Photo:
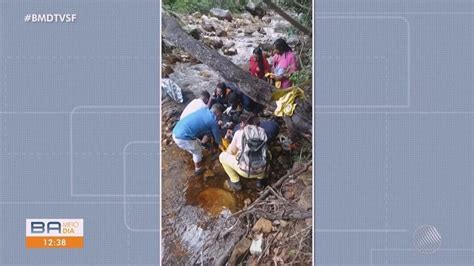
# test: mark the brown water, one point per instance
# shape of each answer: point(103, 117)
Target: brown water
point(208, 191)
point(193, 205)
point(211, 195)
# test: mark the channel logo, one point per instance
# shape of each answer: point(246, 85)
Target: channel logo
point(54, 233)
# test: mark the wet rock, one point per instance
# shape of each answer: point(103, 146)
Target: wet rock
point(256, 34)
point(246, 15)
point(266, 19)
point(221, 14)
point(228, 45)
point(262, 225)
point(230, 51)
point(194, 61)
point(166, 70)
point(166, 47)
point(185, 58)
point(266, 46)
point(208, 27)
point(172, 59)
point(204, 74)
point(249, 31)
point(213, 43)
point(293, 42)
point(245, 22)
point(262, 31)
point(255, 9)
point(281, 28)
point(221, 33)
point(195, 33)
point(239, 250)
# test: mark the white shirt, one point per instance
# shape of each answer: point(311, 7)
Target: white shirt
point(192, 107)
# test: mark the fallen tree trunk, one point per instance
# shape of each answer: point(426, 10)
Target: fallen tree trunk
point(287, 17)
point(257, 89)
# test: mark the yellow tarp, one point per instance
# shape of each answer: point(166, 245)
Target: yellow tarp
point(285, 100)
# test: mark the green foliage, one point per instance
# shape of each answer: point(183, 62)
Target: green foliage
point(301, 76)
point(302, 7)
point(203, 6)
point(305, 152)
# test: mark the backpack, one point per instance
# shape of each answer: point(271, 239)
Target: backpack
point(253, 157)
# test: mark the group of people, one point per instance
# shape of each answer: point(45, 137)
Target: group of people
point(229, 120)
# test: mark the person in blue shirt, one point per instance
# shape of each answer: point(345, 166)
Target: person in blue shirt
point(195, 125)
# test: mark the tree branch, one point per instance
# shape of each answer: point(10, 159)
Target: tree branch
point(288, 18)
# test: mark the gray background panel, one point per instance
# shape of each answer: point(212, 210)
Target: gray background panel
point(388, 164)
point(74, 95)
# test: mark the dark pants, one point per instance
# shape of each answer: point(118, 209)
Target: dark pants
point(271, 128)
point(250, 105)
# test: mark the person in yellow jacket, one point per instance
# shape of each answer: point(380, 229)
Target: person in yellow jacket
point(235, 160)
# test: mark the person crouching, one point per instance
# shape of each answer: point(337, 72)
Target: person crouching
point(246, 154)
point(190, 128)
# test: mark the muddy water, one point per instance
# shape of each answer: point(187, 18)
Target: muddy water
point(193, 204)
point(207, 191)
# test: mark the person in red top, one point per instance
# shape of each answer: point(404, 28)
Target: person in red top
point(258, 64)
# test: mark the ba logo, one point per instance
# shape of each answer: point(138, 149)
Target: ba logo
point(38, 227)
point(54, 233)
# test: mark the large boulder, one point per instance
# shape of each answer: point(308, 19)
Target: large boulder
point(256, 9)
point(221, 14)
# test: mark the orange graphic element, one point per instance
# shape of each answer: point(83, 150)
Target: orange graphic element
point(54, 242)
